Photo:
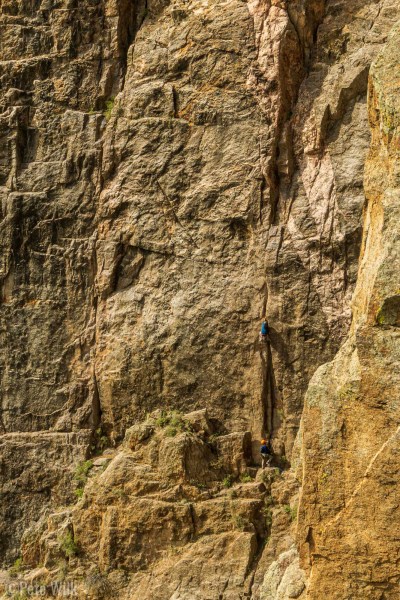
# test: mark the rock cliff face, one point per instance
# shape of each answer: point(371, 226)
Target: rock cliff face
point(170, 173)
point(350, 498)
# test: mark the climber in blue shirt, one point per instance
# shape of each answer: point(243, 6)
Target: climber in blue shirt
point(266, 455)
point(264, 331)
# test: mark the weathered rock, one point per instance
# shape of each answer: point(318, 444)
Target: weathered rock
point(138, 433)
point(170, 172)
point(134, 518)
point(314, 240)
point(200, 422)
point(185, 456)
point(235, 450)
point(36, 469)
point(284, 578)
point(60, 62)
point(350, 499)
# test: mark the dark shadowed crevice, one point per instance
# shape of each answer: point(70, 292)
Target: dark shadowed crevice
point(300, 41)
point(131, 17)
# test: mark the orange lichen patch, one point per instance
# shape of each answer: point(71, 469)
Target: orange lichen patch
point(185, 49)
point(32, 302)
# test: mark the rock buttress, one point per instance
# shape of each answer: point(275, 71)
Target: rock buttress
point(350, 500)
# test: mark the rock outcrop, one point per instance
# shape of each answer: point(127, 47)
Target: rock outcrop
point(350, 499)
point(176, 511)
point(170, 173)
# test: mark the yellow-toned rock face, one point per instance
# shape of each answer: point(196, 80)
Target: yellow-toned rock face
point(350, 504)
point(171, 172)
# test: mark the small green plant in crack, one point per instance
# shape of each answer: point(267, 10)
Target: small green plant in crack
point(79, 493)
point(16, 567)
point(323, 479)
point(240, 523)
point(119, 493)
point(81, 475)
point(267, 517)
point(108, 108)
point(292, 511)
point(62, 570)
point(162, 420)
point(82, 472)
point(22, 595)
point(100, 441)
point(198, 484)
point(246, 478)
point(265, 541)
point(173, 423)
point(171, 431)
point(68, 545)
point(227, 482)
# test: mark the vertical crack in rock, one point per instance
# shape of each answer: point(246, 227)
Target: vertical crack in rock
point(315, 234)
point(297, 34)
point(333, 107)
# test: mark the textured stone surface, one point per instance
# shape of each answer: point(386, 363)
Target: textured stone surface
point(350, 498)
point(315, 236)
point(170, 172)
point(134, 229)
point(36, 470)
point(156, 519)
point(59, 62)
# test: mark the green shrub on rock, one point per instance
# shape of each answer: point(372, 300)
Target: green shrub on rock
point(68, 545)
point(82, 472)
point(16, 568)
